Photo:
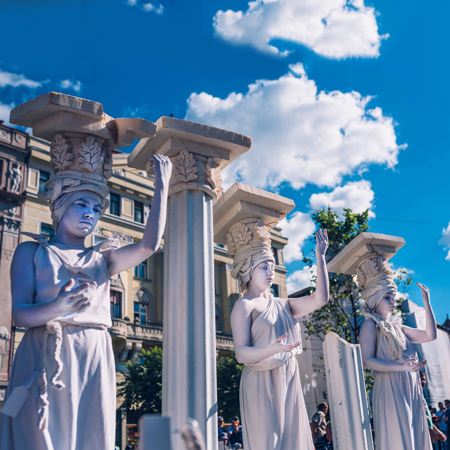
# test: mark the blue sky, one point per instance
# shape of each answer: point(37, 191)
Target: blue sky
point(347, 103)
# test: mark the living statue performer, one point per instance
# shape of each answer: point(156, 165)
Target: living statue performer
point(62, 389)
point(387, 349)
point(266, 338)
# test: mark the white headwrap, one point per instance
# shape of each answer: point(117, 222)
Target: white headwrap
point(249, 249)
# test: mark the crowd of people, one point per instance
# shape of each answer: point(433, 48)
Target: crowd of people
point(440, 430)
point(231, 436)
point(321, 431)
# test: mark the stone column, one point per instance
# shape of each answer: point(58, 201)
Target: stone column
point(347, 394)
point(198, 154)
point(365, 256)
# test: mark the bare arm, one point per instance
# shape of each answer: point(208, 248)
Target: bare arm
point(417, 336)
point(306, 305)
point(241, 321)
point(23, 278)
point(131, 255)
point(367, 340)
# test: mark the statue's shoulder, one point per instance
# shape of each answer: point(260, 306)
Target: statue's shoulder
point(369, 324)
point(25, 251)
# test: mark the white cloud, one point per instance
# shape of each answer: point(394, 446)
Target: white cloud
point(150, 7)
point(16, 80)
point(355, 195)
point(300, 279)
point(300, 135)
point(445, 241)
point(68, 84)
point(297, 229)
point(332, 28)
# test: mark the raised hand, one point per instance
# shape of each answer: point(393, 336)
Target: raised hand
point(71, 300)
point(425, 293)
point(283, 348)
point(162, 166)
point(321, 242)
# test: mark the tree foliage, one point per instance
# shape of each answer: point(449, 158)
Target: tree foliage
point(228, 380)
point(142, 387)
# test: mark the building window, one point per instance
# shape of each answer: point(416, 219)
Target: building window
point(140, 271)
point(274, 290)
point(139, 212)
point(47, 230)
point(275, 255)
point(140, 313)
point(114, 206)
point(116, 304)
point(43, 178)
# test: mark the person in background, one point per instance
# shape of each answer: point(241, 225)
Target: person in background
point(234, 421)
point(447, 420)
point(325, 442)
point(319, 421)
point(440, 414)
point(221, 433)
point(235, 436)
point(436, 435)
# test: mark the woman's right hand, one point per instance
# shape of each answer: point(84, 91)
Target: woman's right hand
point(412, 366)
point(71, 300)
point(283, 348)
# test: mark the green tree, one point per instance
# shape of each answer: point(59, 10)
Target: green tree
point(142, 387)
point(228, 380)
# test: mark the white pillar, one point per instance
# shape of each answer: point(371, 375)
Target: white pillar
point(198, 153)
point(347, 395)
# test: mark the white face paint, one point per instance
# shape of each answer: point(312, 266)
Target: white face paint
point(262, 276)
point(387, 304)
point(81, 216)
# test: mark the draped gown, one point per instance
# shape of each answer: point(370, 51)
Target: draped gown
point(398, 403)
point(80, 408)
point(273, 410)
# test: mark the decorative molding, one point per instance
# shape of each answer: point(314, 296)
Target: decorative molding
point(213, 175)
point(61, 154)
point(185, 169)
point(262, 232)
point(141, 295)
point(91, 155)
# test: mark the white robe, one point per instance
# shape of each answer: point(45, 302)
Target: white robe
point(274, 415)
point(80, 415)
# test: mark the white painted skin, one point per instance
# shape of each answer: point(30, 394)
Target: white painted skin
point(79, 221)
point(249, 307)
point(368, 335)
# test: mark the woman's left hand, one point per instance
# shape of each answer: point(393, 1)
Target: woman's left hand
point(321, 242)
point(425, 292)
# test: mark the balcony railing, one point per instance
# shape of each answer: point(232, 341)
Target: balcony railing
point(153, 331)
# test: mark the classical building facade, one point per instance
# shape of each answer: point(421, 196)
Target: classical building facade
point(14, 155)
point(137, 294)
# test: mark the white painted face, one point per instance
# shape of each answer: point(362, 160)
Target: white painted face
point(263, 275)
point(81, 216)
point(387, 303)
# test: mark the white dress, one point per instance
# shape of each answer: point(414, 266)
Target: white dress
point(398, 404)
point(68, 365)
point(273, 410)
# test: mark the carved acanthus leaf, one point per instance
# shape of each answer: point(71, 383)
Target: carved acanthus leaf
point(262, 231)
point(385, 267)
point(91, 157)
point(370, 268)
point(231, 245)
point(185, 169)
point(241, 234)
point(213, 173)
point(360, 278)
point(62, 157)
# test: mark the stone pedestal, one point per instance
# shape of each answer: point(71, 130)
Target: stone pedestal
point(347, 394)
point(198, 154)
